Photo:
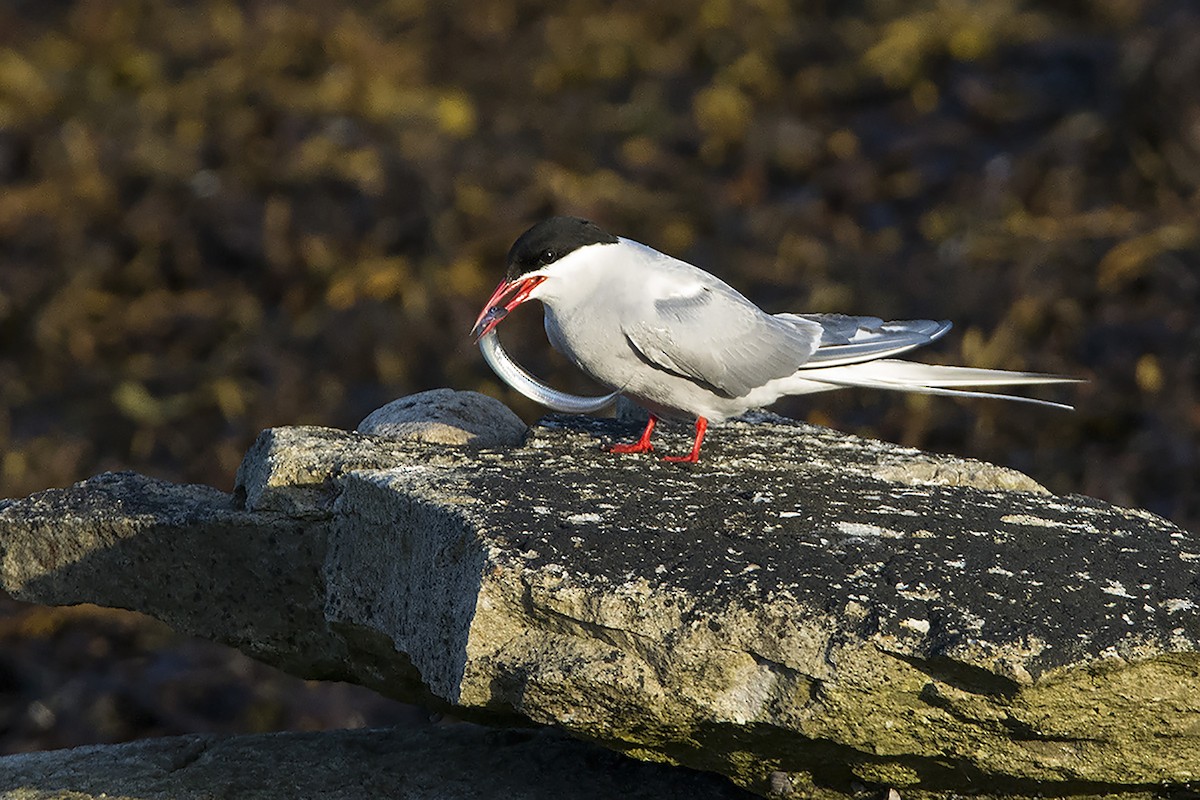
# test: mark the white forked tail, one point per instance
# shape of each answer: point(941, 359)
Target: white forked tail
point(911, 376)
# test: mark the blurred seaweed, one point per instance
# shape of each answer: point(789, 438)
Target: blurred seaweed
point(219, 216)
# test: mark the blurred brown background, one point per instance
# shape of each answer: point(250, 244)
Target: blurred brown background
point(220, 216)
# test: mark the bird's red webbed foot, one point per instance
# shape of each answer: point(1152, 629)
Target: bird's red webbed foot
point(694, 456)
point(642, 445)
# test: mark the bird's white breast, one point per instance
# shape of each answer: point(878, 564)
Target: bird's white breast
point(597, 293)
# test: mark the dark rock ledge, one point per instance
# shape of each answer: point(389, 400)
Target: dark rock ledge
point(808, 613)
point(459, 762)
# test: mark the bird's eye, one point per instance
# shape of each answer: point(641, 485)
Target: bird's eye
point(548, 256)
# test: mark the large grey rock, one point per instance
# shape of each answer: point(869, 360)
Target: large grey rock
point(803, 611)
point(185, 554)
point(460, 762)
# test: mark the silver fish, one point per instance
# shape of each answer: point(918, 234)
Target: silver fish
point(515, 376)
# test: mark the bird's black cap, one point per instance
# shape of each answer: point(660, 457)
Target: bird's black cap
point(550, 240)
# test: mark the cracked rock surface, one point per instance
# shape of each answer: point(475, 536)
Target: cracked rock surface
point(806, 612)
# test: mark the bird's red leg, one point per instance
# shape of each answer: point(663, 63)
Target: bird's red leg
point(642, 445)
point(694, 456)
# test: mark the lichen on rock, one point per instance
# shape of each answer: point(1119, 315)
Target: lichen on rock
point(797, 612)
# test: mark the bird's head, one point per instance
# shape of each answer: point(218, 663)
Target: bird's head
point(531, 263)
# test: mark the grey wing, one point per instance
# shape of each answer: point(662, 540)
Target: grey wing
point(719, 338)
point(852, 340)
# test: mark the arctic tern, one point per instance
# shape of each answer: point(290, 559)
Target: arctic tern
point(684, 344)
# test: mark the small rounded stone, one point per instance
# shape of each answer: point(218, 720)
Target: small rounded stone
point(447, 416)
